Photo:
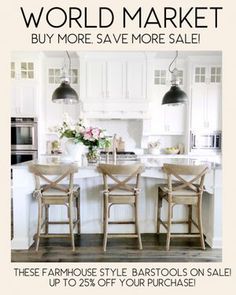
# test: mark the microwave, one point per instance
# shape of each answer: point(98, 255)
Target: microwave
point(206, 141)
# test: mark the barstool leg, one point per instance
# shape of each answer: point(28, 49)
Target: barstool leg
point(46, 218)
point(77, 200)
point(159, 205)
point(39, 223)
point(137, 222)
point(71, 224)
point(199, 215)
point(189, 219)
point(105, 223)
point(169, 226)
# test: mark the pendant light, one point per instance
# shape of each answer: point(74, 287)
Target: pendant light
point(65, 93)
point(175, 95)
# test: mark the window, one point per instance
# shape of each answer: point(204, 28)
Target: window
point(215, 74)
point(160, 77)
point(73, 76)
point(54, 76)
point(200, 75)
point(27, 70)
point(13, 70)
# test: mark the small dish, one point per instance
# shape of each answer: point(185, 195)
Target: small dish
point(172, 151)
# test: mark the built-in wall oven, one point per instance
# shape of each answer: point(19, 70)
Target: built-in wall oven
point(22, 156)
point(24, 139)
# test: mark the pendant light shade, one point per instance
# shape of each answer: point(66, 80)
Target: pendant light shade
point(65, 93)
point(175, 95)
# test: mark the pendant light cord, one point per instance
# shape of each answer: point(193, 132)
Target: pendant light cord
point(69, 74)
point(176, 55)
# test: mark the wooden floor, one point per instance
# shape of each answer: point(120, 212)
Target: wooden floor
point(89, 249)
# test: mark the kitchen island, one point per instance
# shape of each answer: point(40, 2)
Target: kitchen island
point(90, 181)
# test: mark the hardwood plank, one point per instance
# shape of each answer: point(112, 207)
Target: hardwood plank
point(89, 249)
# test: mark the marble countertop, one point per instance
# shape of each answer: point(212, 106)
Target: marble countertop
point(148, 161)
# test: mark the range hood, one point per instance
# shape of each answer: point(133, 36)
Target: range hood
point(115, 110)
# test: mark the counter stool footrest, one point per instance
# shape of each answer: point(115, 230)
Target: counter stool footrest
point(122, 236)
point(55, 236)
point(61, 222)
point(185, 235)
point(121, 222)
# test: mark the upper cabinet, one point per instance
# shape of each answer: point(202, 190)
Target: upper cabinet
point(164, 119)
point(206, 97)
point(135, 79)
point(113, 85)
point(24, 86)
point(53, 68)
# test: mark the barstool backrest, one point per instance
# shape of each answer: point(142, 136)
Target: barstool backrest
point(60, 171)
point(114, 172)
point(181, 174)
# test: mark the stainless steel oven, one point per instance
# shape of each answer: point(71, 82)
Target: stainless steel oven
point(22, 156)
point(24, 140)
point(24, 134)
point(206, 141)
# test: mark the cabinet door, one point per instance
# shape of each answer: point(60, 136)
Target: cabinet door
point(114, 80)
point(158, 118)
point(174, 118)
point(206, 98)
point(213, 107)
point(135, 80)
point(198, 106)
point(15, 100)
point(23, 99)
point(28, 100)
point(95, 76)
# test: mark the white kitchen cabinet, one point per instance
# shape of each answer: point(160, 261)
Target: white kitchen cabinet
point(52, 69)
point(95, 79)
point(24, 87)
point(164, 119)
point(104, 80)
point(113, 84)
point(206, 98)
point(174, 119)
point(23, 100)
point(114, 74)
point(135, 80)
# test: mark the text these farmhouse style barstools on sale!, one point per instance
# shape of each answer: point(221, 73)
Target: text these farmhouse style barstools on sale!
point(121, 191)
point(180, 190)
point(49, 190)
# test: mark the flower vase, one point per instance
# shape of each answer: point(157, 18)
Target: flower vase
point(74, 150)
point(92, 155)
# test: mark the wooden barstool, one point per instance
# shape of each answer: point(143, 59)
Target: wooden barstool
point(180, 190)
point(121, 191)
point(52, 192)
